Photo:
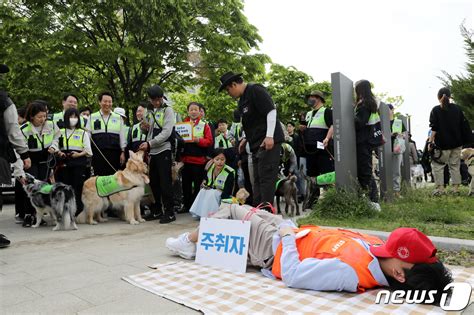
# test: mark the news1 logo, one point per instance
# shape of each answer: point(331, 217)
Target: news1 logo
point(459, 297)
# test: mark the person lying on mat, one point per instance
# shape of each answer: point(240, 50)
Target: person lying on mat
point(323, 259)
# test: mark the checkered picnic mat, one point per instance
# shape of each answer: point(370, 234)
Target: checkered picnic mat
point(214, 291)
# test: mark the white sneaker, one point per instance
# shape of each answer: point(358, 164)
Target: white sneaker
point(182, 246)
point(375, 206)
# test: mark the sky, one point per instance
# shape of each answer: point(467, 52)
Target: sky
point(400, 46)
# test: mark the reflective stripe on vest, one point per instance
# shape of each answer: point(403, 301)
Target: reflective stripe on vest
point(75, 142)
point(43, 141)
point(397, 126)
point(316, 120)
point(221, 178)
point(222, 142)
point(112, 125)
point(373, 119)
point(137, 134)
point(331, 243)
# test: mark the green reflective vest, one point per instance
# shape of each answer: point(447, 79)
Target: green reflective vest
point(36, 142)
point(222, 142)
point(75, 141)
point(373, 119)
point(221, 178)
point(397, 126)
point(316, 120)
point(99, 125)
point(326, 179)
point(108, 185)
point(136, 134)
point(46, 189)
point(198, 130)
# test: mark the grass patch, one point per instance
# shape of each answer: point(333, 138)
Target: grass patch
point(449, 216)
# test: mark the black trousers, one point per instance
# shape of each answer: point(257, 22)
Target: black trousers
point(101, 167)
point(265, 170)
point(193, 174)
point(23, 206)
point(364, 171)
point(161, 183)
point(74, 176)
point(319, 163)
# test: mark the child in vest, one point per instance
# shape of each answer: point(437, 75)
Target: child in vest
point(220, 178)
point(321, 259)
point(74, 148)
point(225, 140)
point(193, 155)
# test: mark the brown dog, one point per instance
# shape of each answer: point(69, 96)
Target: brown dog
point(468, 156)
point(132, 180)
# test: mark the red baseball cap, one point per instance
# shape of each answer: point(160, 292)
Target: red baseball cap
point(409, 245)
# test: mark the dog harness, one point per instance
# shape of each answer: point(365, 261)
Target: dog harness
point(46, 189)
point(108, 185)
point(331, 243)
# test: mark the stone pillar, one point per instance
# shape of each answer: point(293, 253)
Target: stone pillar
point(344, 132)
point(385, 155)
point(405, 171)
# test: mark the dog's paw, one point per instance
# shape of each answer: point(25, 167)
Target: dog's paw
point(56, 228)
point(141, 220)
point(134, 222)
point(93, 223)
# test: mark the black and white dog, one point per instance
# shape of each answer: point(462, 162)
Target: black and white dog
point(56, 199)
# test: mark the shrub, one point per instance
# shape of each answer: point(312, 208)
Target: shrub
point(343, 204)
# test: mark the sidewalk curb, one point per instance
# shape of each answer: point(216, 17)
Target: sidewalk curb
point(445, 243)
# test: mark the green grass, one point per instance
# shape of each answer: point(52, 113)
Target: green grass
point(449, 216)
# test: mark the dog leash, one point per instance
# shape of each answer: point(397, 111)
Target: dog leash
point(103, 155)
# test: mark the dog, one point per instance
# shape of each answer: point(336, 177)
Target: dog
point(312, 192)
point(417, 176)
point(56, 199)
point(132, 180)
point(468, 156)
point(287, 189)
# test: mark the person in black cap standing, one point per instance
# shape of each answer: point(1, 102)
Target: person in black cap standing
point(11, 140)
point(262, 131)
point(160, 125)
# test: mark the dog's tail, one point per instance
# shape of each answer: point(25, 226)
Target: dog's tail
point(66, 201)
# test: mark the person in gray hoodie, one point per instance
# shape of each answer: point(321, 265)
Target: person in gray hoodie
point(159, 125)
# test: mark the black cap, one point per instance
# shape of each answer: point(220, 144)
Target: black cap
point(227, 78)
point(390, 106)
point(4, 68)
point(155, 91)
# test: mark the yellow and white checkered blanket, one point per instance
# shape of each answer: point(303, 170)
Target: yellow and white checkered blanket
point(214, 291)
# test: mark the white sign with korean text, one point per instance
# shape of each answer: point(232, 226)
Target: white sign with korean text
point(185, 130)
point(223, 244)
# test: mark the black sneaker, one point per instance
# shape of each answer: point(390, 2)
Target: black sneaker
point(153, 216)
point(4, 241)
point(167, 219)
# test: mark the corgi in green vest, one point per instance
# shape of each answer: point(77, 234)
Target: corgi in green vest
point(121, 191)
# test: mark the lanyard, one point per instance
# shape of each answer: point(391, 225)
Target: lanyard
point(67, 138)
point(105, 123)
point(40, 133)
point(315, 111)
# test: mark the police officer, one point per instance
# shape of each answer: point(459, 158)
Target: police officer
point(316, 137)
point(108, 138)
point(69, 101)
point(160, 123)
point(262, 130)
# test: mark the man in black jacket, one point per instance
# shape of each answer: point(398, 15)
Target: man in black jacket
point(262, 131)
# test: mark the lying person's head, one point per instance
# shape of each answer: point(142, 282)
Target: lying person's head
point(408, 260)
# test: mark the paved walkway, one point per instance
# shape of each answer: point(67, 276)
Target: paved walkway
point(67, 272)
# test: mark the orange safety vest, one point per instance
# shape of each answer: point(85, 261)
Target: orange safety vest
point(330, 243)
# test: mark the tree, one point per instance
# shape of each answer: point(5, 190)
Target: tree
point(123, 46)
point(462, 86)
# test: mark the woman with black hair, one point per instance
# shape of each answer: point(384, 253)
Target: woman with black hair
point(366, 115)
point(445, 141)
point(74, 147)
point(39, 134)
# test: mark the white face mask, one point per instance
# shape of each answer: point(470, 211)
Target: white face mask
point(73, 121)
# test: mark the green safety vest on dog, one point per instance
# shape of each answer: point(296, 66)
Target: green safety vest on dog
point(326, 179)
point(46, 189)
point(108, 185)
